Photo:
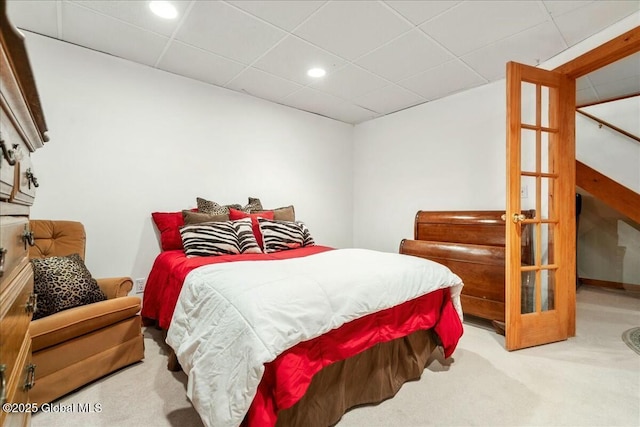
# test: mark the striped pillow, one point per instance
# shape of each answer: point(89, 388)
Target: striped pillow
point(219, 238)
point(283, 235)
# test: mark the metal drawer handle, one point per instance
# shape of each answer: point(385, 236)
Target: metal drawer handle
point(31, 178)
point(3, 252)
point(30, 380)
point(3, 384)
point(10, 154)
point(27, 236)
point(32, 304)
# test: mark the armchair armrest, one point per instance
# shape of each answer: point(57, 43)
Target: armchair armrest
point(115, 287)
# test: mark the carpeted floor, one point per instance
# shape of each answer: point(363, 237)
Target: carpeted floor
point(592, 379)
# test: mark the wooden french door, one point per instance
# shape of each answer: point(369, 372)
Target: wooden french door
point(540, 248)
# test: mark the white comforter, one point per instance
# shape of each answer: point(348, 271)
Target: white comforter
point(232, 318)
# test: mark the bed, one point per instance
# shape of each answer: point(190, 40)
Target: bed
point(471, 243)
point(364, 343)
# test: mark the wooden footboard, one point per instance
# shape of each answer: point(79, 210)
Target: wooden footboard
point(481, 268)
point(472, 245)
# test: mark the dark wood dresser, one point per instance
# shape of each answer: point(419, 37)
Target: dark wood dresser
point(472, 245)
point(22, 132)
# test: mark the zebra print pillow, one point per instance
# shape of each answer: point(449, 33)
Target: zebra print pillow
point(283, 235)
point(219, 238)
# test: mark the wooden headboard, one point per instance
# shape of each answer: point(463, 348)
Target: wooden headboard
point(472, 245)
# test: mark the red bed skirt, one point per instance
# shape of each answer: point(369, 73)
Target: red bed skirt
point(287, 378)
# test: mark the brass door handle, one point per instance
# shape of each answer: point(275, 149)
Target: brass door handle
point(516, 218)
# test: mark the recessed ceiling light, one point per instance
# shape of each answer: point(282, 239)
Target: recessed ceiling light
point(316, 72)
point(163, 9)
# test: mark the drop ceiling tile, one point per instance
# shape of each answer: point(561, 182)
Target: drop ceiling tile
point(291, 59)
point(137, 13)
point(263, 85)
point(586, 96)
point(352, 28)
point(198, 64)
point(559, 7)
point(405, 56)
point(474, 24)
point(349, 113)
point(618, 88)
point(35, 16)
point(349, 82)
point(431, 86)
point(580, 23)
point(314, 101)
point(421, 11)
point(621, 69)
point(87, 28)
point(389, 99)
point(583, 83)
point(284, 14)
point(530, 47)
point(223, 29)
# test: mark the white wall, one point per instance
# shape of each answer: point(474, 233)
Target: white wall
point(443, 155)
point(128, 140)
point(606, 150)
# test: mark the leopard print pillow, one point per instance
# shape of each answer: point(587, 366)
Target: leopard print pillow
point(212, 208)
point(62, 283)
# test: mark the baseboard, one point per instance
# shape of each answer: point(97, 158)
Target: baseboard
point(611, 285)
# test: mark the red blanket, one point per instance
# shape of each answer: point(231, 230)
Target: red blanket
point(287, 378)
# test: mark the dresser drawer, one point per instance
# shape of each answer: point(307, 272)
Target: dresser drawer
point(12, 229)
point(15, 317)
point(24, 191)
point(12, 150)
point(17, 390)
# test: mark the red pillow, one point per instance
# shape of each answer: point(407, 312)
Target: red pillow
point(169, 224)
point(235, 214)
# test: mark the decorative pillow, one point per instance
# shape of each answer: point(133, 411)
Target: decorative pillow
point(168, 224)
point(235, 214)
point(62, 283)
point(219, 238)
point(286, 213)
point(213, 208)
point(283, 235)
point(254, 205)
point(191, 217)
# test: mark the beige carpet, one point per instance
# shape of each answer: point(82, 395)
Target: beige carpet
point(592, 379)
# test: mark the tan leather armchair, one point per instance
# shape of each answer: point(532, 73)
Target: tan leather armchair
point(76, 346)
